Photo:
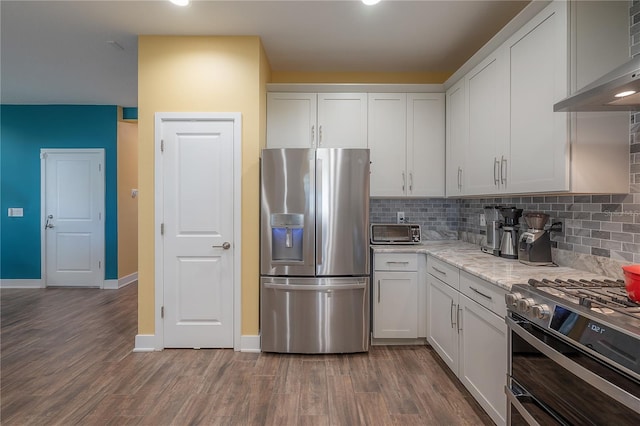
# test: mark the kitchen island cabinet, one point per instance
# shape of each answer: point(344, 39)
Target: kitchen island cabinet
point(407, 142)
point(316, 120)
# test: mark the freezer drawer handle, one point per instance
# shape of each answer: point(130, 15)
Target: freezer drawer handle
point(326, 288)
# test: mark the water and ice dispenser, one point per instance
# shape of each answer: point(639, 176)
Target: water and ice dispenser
point(287, 231)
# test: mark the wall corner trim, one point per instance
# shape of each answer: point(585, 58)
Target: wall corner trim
point(145, 343)
point(29, 283)
point(250, 343)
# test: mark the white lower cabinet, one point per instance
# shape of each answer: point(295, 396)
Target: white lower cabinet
point(468, 334)
point(395, 296)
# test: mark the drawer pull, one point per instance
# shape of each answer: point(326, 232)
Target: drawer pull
point(397, 262)
point(378, 291)
point(481, 293)
point(440, 271)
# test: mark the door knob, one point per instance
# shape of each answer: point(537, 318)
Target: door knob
point(48, 224)
point(226, 246)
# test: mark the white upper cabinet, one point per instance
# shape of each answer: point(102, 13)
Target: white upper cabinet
point(486, 147)
point(425, 144)
point(538, 74)
point(456, 138)
point(310, 120)
point(342, 120)
point(407, 142)
point(291, 120)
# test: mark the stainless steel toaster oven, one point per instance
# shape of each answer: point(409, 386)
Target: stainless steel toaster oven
point(395, 233)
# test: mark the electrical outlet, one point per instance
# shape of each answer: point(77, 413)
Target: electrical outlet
point(400, 217)
point(483, 220)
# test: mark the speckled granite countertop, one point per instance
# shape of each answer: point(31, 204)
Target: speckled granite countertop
point(497, 270)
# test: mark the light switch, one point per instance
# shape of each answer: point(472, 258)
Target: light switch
point(16, 212)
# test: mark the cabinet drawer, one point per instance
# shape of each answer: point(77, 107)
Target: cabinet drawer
point(484, 293)
point(395, 262)
point(444, 271)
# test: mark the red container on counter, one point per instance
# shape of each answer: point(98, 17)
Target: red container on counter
point(632, 280)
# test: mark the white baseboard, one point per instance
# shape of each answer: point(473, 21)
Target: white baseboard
point(250, 343)
point(145, 343)
point(31, 283)
point(120, 282)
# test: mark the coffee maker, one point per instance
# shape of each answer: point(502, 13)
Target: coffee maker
point(494, 230)
point(510, 228)
point(534, 247)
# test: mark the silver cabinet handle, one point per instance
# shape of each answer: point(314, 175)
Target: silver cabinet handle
point(48, 223)
point(320, 135)
point(378, 291)
point(439, 271)
point(459, 178)
point(389, 262)
point(313, 135)
point(403, 181)
point(226, 246)
point(458, 318)
point(496, 164)
point(451, 314)
point(503, 170)
point(410, 181)
point(481, 293)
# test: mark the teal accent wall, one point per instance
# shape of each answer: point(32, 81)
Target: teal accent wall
point(24, 130)
point(129, 113)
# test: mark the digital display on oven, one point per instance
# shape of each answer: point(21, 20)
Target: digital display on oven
point(598, 337)
point(574, 325)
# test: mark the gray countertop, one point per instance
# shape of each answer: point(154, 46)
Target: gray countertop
point(497, 270)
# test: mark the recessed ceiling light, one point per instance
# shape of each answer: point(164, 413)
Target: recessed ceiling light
point(370, 2)
point(180, 2)
point(623, 94)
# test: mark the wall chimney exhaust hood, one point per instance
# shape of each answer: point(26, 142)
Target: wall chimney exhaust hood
point(618, 90)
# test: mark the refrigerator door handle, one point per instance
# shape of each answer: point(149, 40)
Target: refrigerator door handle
point(325, 288)
point(319, 212)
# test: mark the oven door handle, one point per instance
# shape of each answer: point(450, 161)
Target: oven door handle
point(514, 400)
point(593, 379)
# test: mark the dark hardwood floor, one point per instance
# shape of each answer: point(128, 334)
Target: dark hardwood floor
point(66, 359)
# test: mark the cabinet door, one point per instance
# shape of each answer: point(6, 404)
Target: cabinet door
point(425, 144)
point(456, 138)
point(539, 158)
point(442, 331)
point(342, 120)
point(387, 142)
point(487, 122)
point(291, 120)
point(483, 357)
point(395, 305)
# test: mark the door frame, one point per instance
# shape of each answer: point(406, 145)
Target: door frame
point(236, 119)
point(43, 205)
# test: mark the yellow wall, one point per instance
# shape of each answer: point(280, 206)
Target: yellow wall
point(360, 77)
point(127, 206)
point(202, 74)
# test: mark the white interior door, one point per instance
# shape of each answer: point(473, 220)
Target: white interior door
point(198, 236)
point(73, 217)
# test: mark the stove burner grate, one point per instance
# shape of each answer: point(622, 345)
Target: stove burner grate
point(592, 294)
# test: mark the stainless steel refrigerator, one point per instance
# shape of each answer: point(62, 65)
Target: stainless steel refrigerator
point(314, 250)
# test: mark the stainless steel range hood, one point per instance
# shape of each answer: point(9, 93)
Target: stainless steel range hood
point(601, 94)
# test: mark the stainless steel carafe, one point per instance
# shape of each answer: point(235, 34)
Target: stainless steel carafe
point(510, 229)
point(493, 230)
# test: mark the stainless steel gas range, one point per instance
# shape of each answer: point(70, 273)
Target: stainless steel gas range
point(574, 353)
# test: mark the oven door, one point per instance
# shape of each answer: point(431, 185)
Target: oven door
point(551, 382)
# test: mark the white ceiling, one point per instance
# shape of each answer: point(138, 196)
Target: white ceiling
point(58, 51)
